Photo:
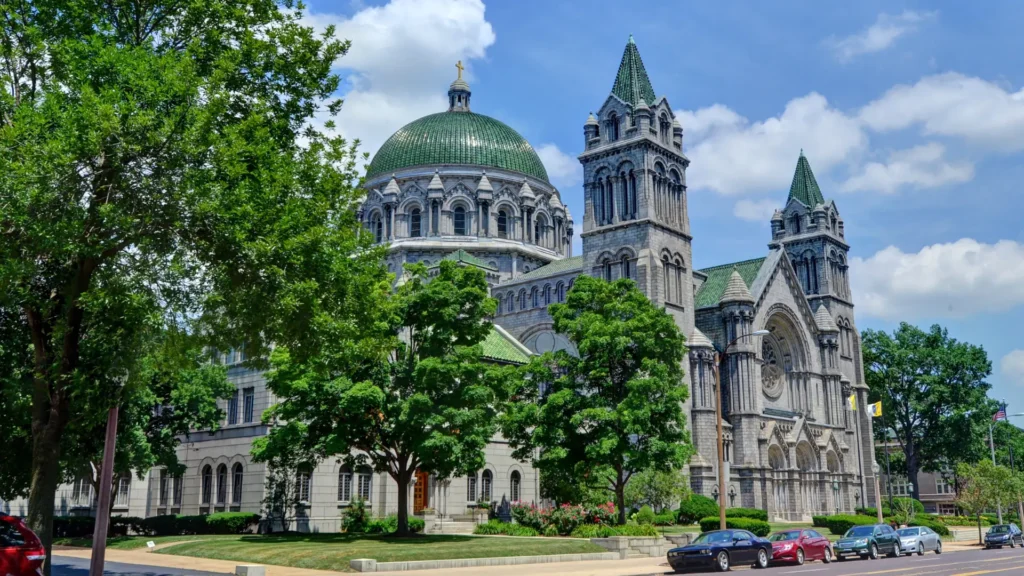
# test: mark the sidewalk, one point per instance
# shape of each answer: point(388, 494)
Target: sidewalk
point(146, 558)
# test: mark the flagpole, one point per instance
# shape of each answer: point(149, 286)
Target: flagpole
point(888, 470)
point(992, 447)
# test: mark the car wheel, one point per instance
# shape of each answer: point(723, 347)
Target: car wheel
point(799, 557)
point(873, 553)
point(827, 559)
point(762, 559)
point(896, 552)
point(840, 558)
point(1013, 543)
point(938, 547)
point(920, 548)
point(722, 561)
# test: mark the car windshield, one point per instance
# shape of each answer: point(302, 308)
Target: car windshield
point(999, 530)
point(713, 537)
point(783, 536)
point(860, 531)
point(909, 531)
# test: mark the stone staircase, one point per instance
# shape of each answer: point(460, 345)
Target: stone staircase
point(454, 525)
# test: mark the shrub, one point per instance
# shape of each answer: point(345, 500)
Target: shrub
point(665, 519)
point(602, 514)
point(754, 513)
point(356, 518)
point(645, 515)
point(565, 517)
point(939, 529)
point(231, 522)
point(594, 531)
point(839, 524)
point(758, 527)
point(123, 525)
point(873, 512)
point(528, 515)
point(551, 530)
point(164, 525)
point(638, 530)
point(819, 521)
point(191, 524)
point(389, 525)
point(493, 527)
point(695, 507)
point(901, 503)
point(73, 526)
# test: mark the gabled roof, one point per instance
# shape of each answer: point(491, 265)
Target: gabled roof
point(718, 277)
point(631, 82)
point(804, 187)
point(565, 265)
point(501, 346)
point(467, 258)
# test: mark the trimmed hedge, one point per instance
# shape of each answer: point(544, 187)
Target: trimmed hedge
point(695, 507)
point(389, 525)
point(73, 526)
point(645, 515)
point(495, 527)
point(754, 513)
point(231, 522)
point(939, 529)
point(819, 521)
point(665, 519)
point(758, 527)
point(593, 531)
point(839, 524)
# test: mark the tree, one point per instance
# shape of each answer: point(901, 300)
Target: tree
point(414, 395)
point(933, 392)
point(982, 486)
point(614, 411)
point(159, 168)
point(658, 489)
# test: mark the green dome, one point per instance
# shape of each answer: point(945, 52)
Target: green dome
point(457, 138)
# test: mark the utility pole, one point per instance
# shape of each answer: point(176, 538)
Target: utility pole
point(99, 533)
point(888, 470)
point(992, 447)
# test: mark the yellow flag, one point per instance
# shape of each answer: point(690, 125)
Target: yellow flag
point(852, 400)
point(875, 409)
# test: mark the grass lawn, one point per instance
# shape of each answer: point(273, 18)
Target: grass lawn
point(131, 542)
point(333, 551)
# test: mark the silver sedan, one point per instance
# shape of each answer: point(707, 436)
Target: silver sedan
point(919, 539)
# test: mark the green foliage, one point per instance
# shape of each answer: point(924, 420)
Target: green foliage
point(758, 527)
point(73, 526)
point(495, 527)
point(566, 518)
point(657, 489)
point(637, 530)
point(389, 525)
point(755, 513)
point(982, 486)
point(840, 523)
point(231, 522)
point(414, 388)
point(938, 527)
point(933, 394)
point(819, 521)
point(528, 515)
point(356, 518)
point(551, 530)
point(644, 516)
point(665, 519)
point(594, 531)
point(163, 525)
point(695, 507)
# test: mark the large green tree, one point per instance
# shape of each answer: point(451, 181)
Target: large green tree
point(413, 395)
point(158, 168)
point(933, 393)
point(983, 486)
point(616, 409)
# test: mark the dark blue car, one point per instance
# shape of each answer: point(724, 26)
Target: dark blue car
point(720, 550)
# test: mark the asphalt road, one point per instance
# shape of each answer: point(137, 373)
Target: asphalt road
point(1008, 562)
point(68, 566)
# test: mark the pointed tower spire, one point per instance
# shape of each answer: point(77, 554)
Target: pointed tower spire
point(736, 290)
point(805, 187)
point(632, 83)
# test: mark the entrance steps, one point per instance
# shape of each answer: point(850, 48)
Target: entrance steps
point(453, 527)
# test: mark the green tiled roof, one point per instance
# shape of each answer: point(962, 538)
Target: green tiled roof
point(467, 258)
point(553, 268)
point(501, 347)
point(718, 277)
point(805, 187)
point(632, 83)
point(457, 138)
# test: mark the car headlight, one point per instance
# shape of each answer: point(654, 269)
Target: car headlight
point(787, 547)
point(861, 542)
point(705, 551)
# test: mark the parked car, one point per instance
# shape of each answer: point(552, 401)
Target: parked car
point(796, 546)
point(720, 550)
point(1003, 535)
point(919, 539)
point(868, 542)
point(21, 552)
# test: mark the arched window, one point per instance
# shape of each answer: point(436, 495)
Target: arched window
point(415, 224)
point(667, 269)
point(560, 292)
point(302, 484)
point(796, 224)
point(625, 267)
point(364, 479)
point(514, 485)
point(664, 125)
point(502, 224)
point(632, 194)
point(607, 270)
point(500, 307)
point(486, 485)
point(471, 488)
point(459, 216)
point(679, 281)
point(613, 127)
point(377, 227)
point(236, 484)
point(207, 494)
point(534, 298)
point(345, 484)
point(435, 217)
point(547, 294)
point(599, 200)
point(510, 301)
point(522, 299)
point(222, 484)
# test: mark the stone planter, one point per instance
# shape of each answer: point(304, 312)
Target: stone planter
point(429, 521)
point(480, 516)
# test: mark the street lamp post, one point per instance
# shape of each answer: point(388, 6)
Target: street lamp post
point(878, 491)
point(718, 416)
point(835, 494)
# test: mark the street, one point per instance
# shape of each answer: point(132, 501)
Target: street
point(69, 566)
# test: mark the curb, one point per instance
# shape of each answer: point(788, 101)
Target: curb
point(371, 565)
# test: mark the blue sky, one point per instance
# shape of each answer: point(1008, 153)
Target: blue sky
point(911, 114)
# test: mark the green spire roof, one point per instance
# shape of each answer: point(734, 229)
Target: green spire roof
point(805, 187)
point(632, 83)
point(711, 291)
point(467, 258)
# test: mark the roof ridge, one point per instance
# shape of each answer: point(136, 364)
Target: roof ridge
point(732, 264)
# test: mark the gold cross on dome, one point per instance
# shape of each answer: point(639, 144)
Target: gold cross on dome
point(460, 67)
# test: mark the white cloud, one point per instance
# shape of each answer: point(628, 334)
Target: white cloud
point(563, 170)
point(733, 156)
point(879, 36)
point(755, 211)
point(402, 59)
point(954, 279)
point(921, 167)
point(1012, 366)
point(952, 104)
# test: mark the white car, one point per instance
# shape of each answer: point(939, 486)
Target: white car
point(919, 539)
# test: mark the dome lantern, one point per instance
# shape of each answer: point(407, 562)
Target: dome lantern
point(458, 92)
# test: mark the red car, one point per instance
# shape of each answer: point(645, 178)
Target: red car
point(797, 546)
point(21, 552)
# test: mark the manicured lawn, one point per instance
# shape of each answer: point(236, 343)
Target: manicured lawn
point(131, 542)
point(333, 551)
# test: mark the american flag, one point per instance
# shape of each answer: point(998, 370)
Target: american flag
point(1000, 415)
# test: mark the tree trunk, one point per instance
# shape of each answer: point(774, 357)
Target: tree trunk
point(912, 468)
point(402, 479)
point(620, 497)
point(981, 539)
point(45, 478)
